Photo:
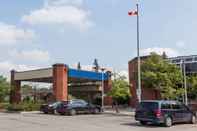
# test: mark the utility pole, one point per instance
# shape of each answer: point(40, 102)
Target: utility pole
point(102, 91)
point(185, 82)
point(182, 81)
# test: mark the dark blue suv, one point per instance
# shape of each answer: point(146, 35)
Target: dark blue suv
point(163, 112)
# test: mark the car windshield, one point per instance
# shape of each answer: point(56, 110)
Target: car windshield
point(55, 104)
point(148, 105)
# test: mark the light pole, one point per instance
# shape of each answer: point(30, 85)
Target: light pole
point(102, 90)
point(185, 83)
point(182, 81)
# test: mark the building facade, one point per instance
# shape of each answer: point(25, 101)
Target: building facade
point(190, 63)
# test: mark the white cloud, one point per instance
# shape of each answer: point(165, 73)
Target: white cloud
point(10, 34)
point(169, 51)
point(180, 44)
point(7, 66)
point(63, 2)
point(60, 12)
point(32, 55)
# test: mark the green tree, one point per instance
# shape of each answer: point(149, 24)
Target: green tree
point(192, 87)
point(120, 90)
point(159, 74)
point(4, 88)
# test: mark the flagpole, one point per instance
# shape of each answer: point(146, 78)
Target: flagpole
point(139, 90)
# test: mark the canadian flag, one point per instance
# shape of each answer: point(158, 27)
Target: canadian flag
point(132, 13)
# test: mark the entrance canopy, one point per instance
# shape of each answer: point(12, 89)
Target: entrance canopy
point(61, 77)
point(74, 75)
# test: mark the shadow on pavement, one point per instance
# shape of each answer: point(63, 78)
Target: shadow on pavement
point(136, 124)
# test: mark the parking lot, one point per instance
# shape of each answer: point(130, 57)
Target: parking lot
point(102, 122)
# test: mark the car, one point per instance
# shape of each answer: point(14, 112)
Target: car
point(163, 112)
point(77, 106)
point(49, 108)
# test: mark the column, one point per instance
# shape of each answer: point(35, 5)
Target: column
point(60, 82)
point(15, 92)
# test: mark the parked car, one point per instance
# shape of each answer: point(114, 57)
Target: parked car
point(163, 112)
point(78, 106)
point(49, 108)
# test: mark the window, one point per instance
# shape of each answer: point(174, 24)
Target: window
point(79, 103)
point(176, 106)
point(149, 105)
point(165, 106)
point(188, 59)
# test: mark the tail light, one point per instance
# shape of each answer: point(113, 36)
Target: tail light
point(157, 113)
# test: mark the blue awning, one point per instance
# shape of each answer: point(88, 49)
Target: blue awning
point(90, 75)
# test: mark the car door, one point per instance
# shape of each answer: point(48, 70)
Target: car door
point(76, 106)
point(84, 107)
point(79, 106)
point(186, 113)
point(176, 112)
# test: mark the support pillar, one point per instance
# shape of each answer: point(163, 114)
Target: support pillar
point(107, 88)
point(15, 92)
point(60, 82)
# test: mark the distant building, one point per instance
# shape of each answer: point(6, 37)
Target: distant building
point(151, 94)
point(189, 61)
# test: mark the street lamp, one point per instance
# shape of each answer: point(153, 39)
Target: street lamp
point(185, 83)
point(102, 90)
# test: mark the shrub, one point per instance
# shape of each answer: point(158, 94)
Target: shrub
point(24, 106)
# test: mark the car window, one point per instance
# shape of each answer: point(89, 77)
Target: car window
point(148, 105)
point(184, 107)
point(176, 106)
point(77, 103)
point(165, 106)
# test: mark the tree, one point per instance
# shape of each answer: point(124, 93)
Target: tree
point(79, 66)
point(4, 88)
point(159, 74)
point(96, 65)
point(192, 87)
point(120, 90)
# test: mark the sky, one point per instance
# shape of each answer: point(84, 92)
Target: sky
point(38, 33)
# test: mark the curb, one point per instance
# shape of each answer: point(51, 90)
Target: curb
point(120, 114)
point(30, 112)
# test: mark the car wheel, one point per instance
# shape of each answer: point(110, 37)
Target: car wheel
point(72, 112)
point(96, 111)
point(62, 113)
point(53, 112)
point(168, 122)
point(193, 119)
point(143, 122)
point(45, 112)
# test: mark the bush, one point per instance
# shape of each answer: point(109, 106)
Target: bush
point(3, 105)
point(14, 107)
point(30, 106)
point(25, 106)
